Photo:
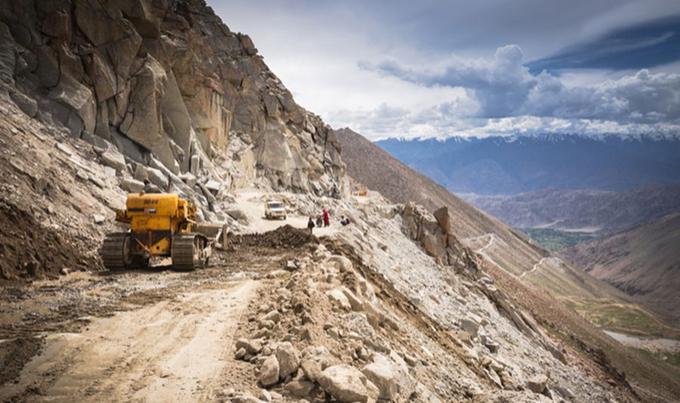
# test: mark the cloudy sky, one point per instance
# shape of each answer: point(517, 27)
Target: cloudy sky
point(429, 68)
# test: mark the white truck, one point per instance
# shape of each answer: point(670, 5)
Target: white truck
point(274, 209)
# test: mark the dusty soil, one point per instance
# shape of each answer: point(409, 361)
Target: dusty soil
point(284, 237)
point(30, 251)
point(154, 335)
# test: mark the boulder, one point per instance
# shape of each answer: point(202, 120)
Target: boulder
point(354, 301)
point(157, 177)
point(312, 369)
point(80, 99)
point(247, 45)
point(131, 185)
point(341, 263)
point(423, 394)
point(240, 353)
point(384, 376)
point(537, 383)
point(245, 398)
point(27, 104)
point(48, 66)
point(443, 219)
point(338, 298)
point(115, 160)
point(128, 147)
point(140, 173)
point(470, 324)
point(490, 343)
point(98, 182)
point(8, 57)
point(252, 346)
point(190, 180)
point(269, 371)
point(271, 104)
point(288, 358)
point(298, 388)
point(433, 245)
point(347, 384)
point(213, 186)
point(142, 15)
point(274, 316)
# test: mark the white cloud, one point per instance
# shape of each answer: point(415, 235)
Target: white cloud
point(437, 75)
point(503, 87)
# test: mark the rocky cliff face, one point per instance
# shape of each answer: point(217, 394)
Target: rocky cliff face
point(167, 84)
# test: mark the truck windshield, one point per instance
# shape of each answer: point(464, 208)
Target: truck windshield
point(275, 205)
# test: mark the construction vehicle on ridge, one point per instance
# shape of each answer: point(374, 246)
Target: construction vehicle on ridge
point(161, 225)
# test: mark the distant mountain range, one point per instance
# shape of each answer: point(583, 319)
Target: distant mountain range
point(511, 165)
point(596, 211)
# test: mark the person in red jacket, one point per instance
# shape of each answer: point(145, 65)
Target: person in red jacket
point(326, 218)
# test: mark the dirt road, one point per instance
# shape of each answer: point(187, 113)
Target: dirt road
point(141, 336)
point(251, 203)
point(169, 351)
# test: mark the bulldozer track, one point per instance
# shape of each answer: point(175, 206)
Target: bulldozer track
point(113, 251)
point(185, 252)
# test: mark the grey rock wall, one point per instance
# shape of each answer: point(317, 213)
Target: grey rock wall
point(164, 78)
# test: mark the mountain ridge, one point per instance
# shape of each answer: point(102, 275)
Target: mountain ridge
point(603, 212)
point(493, 166)
point(537, 135)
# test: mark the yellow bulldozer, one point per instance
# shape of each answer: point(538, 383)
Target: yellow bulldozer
point(161, 225)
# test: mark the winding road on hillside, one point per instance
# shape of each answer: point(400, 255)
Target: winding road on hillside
point(491, 241)
point(482, 250)
point(533, 269)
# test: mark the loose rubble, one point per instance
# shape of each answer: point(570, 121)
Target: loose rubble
point(392, 307)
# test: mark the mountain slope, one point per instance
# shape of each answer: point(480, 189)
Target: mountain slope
point(168, 85)
point(280, 310)
point(600, 211)
point(644, 262)
point(378, 170)
point(524, 271)
point(505, 248)
point(510, 165)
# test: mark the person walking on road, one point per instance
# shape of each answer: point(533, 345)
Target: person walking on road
point(326, 218)
point(310, 225)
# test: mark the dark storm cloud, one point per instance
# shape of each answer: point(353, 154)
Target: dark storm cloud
point(505, 87)
point(643, 45)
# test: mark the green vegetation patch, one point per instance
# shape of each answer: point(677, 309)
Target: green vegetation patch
point(555, 240)
point(623, 318)
point(671, 358)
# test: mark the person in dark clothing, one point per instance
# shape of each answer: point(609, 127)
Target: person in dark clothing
point(319, 221)
point(310, 224)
